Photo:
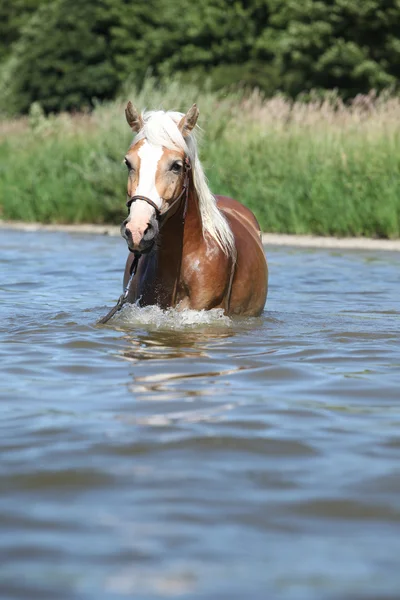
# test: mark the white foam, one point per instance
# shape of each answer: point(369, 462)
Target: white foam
point(171, 318)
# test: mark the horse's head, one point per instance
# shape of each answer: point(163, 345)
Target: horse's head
point(156, 173)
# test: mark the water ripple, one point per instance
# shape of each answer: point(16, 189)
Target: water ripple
point(185, 454)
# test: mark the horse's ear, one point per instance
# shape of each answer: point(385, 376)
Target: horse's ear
point(133, 117)
point(187, 123)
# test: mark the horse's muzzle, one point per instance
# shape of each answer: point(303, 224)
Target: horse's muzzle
point(140, 241)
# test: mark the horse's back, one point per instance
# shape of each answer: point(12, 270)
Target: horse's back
point(229, 205)
point(250, 284)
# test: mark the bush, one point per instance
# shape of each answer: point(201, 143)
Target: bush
point(318, 167)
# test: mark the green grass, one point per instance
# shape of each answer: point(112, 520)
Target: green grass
point(321, 168)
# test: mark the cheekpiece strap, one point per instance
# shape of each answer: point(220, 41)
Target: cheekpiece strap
point(162, 216)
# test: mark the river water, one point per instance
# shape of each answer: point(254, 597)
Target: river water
point(191, 456)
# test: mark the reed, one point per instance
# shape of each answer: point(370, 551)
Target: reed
point(318, 167)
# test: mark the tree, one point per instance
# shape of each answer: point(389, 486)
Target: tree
point(13, 16)
point(68, 54)
point(352, 45)
point(212, 38)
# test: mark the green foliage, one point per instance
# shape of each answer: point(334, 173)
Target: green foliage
point(352, 45)
point(68, 55)
point(299, 173)
point(61, 59)
point(302, 168)
point(204, 34)
point(13, 16)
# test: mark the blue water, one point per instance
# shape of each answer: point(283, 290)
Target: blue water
point(186, 455)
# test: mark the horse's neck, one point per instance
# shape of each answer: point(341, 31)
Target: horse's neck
point(176, 236)
point(193, 230)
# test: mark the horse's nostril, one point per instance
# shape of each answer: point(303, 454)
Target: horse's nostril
point(148, 232)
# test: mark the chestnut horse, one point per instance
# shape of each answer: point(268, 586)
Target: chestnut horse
point(190, 249)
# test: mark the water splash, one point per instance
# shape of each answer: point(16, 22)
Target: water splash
point(171, 318)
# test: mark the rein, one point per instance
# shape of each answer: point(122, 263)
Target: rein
point(123, 299)
point(162, 217)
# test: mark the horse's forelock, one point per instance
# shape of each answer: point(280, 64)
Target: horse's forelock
point(161, 129)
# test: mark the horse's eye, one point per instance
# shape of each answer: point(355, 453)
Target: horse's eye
point(176, 167)
point(128, 164)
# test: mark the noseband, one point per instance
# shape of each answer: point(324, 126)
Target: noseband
point(163, 216)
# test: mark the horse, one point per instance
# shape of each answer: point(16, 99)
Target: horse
point(188, 248)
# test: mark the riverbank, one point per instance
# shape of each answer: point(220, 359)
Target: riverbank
point(271, 239)
point(321, 168)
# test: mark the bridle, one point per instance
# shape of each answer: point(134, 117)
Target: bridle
point(162, 217)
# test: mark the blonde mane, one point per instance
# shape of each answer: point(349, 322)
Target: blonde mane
point(161, 129)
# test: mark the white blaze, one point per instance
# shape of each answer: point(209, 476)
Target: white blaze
point(149, 159)
point(141, 212)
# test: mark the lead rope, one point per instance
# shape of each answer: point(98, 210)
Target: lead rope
point(123, 299)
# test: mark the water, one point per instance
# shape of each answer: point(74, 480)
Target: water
point(191, 456)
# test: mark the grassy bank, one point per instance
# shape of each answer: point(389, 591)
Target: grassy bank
point(317, 168)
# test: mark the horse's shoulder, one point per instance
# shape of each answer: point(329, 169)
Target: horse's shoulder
point(231, 207)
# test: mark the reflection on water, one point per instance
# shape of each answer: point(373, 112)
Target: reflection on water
point(188, 455)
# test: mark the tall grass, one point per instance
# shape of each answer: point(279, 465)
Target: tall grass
point(319, 167)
